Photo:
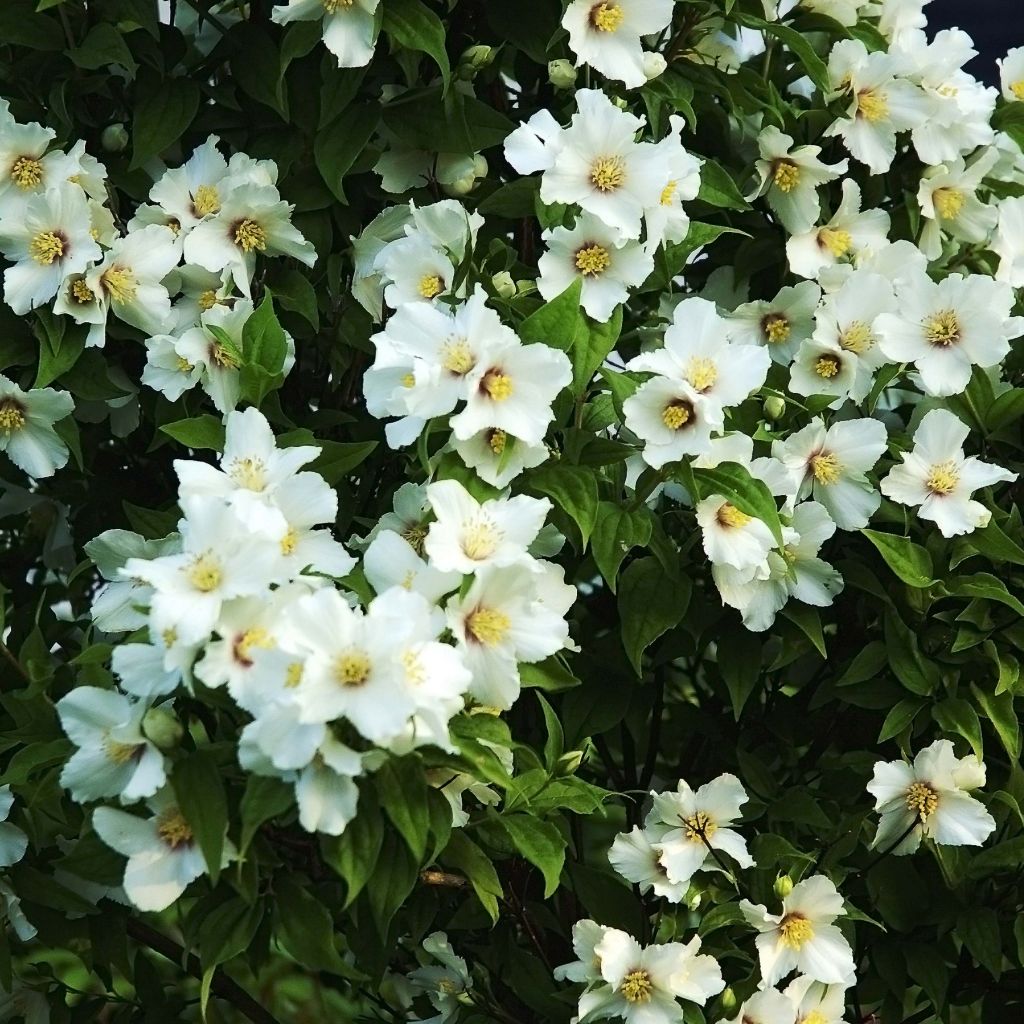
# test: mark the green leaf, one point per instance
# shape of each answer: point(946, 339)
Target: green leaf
point(670, 261)
point(808, 621)
point(338, 146)
point(650, 604)
point(204, 431)
point(1006, 409)
point(393, 879)
point(558, 323)
point(339, 457)
point(958, 716)
point(263, 340)
point(305, 927)
point(199, 791)
point(354, 853)
point(265, 797)
point(256, 66)
point(462, 854)
point(228, 931)
point(914, 671)
point(616, 531)
point(995, 543)
point(574, 490)
point(909, 561)
point(61, 344)
point(717, 187)
point(540, 843)
point(164, 108)
point(979, 929)
point(900, 717)
point(999, 710)
point(739, 661)
point(403, 795)
point(815, 67)
point(750, 495)
point(986, 586)
point(102, 47)
point(416, 27)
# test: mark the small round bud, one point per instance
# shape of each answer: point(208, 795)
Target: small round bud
point(526, 287)
point(561, 74)
point(654, 64)
point(162, 727)
point(503, 284)
point(727, 1000)
point(461, 186)
point(114, 138)
point(568, 763)
point(693, 900)
point(783, 886)
point(774, 406)
point(480, 166)
point(475, 59)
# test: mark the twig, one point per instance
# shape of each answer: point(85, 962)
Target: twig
point(223, 986)
point(6, 652)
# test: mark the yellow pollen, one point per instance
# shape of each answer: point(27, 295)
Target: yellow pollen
point(836, 240)
point(414, 672)
point(173, 829)
point(206, 201)
point(408, 380)
point(701, 373)
point(46, 247)
point(480, 539)
point(447, 987)
point(488, 626)
point(12, 416)
point(826, 468)
point(606, 17)
point(119, 283)
point(943, 329)
point(856, 338)
point(293, 676)
point(457, 357)
point(786, 175)
point(120, 753)
point(331, 6)
point(204, 574)
point(668, 193)
point(796, 931)
point(415, 534)
point(943, 478)
point(872, 106)
point(496, 441)
point(207, 299)
point(289, 541)
point(814, 1017)
point(947, 90)
point(26, 172)
point(498, 385)
point(81, 292)
point(607, 173)
point(94, 234)
point(183, 365)
point(699, 826)
point(677, 415)
point(1017, 88)
point(255, 637)
point(221, 357)
point(352, 669)
point(431, 285)
point(922, 800)
point(592, 260)
point(169, 637)
point(776, 327)
point(637, 987)
point(249, 236)
point(827, 367)
point(175, 225)
point(948, 202)
point(731, 517)
point(408, 580)
point(249, 473)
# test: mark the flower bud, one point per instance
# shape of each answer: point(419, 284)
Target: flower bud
point(461, 186)
point(162, 727)
point(654, 64)
point(783, 886)
point(114, 138)
point(526, 287)
point(475, 59)
point(568, 763)
point(774, 406)
point(620, 101)
point(693, 900)
point(561, 74)
point(503, 284)
point(480, 167)
point(727, 1000)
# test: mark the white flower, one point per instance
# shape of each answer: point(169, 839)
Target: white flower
point(48, 241)
point(733, 538)
point(690, 826)
point(1008, 242)
point(444, 982)
point(937, 476)
point(789, 178)
point(897, 17)
point(946, 328)
point(163, 856)
point(640, 861)
point(594, 253)
point(880, 104)
point(325, 789)
point(803, 936)
point(1011, 74)
point(113, 758)
point(13, 842)
point(641, 985)
point(606, 35)
point(511, 614)
point(769, 1006)
point(498, 456)
point(930, 799)
point(166, 371)
point(26, 427)
point(468, 534)
point(848, 234)
point(672, 419)
point(832, 465)
point(194, 191)
point(665, 220)
point(950, 204)
point(349, 26)
point(780, 324)
point(816, 1003)
point(586, 934)
point(391, 561)
point(154, 669)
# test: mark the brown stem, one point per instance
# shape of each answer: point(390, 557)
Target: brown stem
point(8, 654)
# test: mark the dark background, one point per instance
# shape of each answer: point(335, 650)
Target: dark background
point(995, 25)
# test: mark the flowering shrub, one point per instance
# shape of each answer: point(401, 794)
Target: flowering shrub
point(509, 513)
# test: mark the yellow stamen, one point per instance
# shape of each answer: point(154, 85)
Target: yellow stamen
point(814, 1017)
point(592, 260)
point(121, 753)
point(943, 478)
point(498, 385)
point(943, 329)
point(856, 338)
point(836, 240)
point(827, 367)
point(80, 292)
point(46, 247)
point(414, 671)
point(701, 373)
point(677, 415)
point(293, 675)
point(796, 931)
point(1017, 88)
point(12, 416)
point(431, 285)
point(204, 574)
point(249, 236)
point(776, 327)
point(606, 17)
point(289, 541)
point(207, 300)
point(249, 472)
point(496, 440)
point(872, 106)
point(480, 539)
point(331, 6)
point(488, 626)
point(786, 175)
point(169, 637)
point(119, 283)
point(221, 357)
point(607, 173)
point(415, 535)
point(183, 365)
point(26, 172)
point(731, 517)
point(408, 380)
point(206, 201)
point(826, 468)
point(352, 668)
point(637, 987)
point(668, 193)
point(173, 829)
point(948, 202)
point(922, 800)
point(457, 357)
point(255, 637)
point(699, 826)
